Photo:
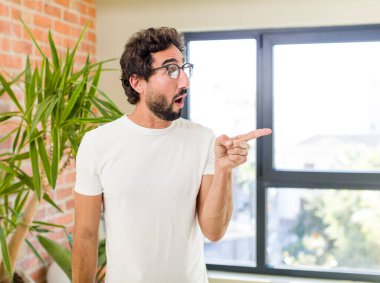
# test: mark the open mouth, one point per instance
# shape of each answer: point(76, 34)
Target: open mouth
point(179, 100)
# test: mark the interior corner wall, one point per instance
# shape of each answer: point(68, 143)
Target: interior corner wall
point(118, 19)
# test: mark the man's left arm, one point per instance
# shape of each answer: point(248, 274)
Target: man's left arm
point(214, 201)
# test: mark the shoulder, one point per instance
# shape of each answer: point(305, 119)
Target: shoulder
point(194, 128)
point(184, 123)
point(106, 131)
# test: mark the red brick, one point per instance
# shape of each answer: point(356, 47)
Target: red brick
point(16, 13)
point(70, 177)
point(70, 17)
point(46, 49)
point(53, 11)
point(69, 42)
point(35, 59)
point(7, 127)
point(10, 61)
point(64, 193)
point(92, 24)
point(70, 228)
point(60, 181)
point(33, 4)
point(5, 27)
point(64, 219)
point(4, 105)
point(70, 204)
point(16, 30)
point(91, 11)
point(93, 50)
point(65, 3)
point(60, 237)
point(52, 210)
point(41, 214)
point(58, 40)
point(4, 10)
point(75, 32)
point(91, 36)
point(62, 27)
point(40, 35)
point(86, 48)
point(42, 21)
point(28, 263)
point(81, 60)
point(24, 47)
point(83, 21)
point(4, 44)
point(27, 16)
point(81, 8)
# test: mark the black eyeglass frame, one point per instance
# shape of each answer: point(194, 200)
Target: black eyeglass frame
point(191, 66)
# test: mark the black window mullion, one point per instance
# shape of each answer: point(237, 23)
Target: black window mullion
point(260, 168)
point(308, 180)
point(268, 177)
point(347, 180)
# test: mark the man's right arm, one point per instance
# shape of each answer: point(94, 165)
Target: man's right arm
point(85, 242)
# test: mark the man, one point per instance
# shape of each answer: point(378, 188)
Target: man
point(164, 181)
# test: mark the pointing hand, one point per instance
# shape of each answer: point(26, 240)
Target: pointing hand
point(232, 152)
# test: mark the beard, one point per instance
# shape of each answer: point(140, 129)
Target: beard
point(162, 108)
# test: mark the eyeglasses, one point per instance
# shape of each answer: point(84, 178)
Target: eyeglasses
point(173, 70)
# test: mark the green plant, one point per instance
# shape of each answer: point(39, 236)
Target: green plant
point(62, 256)
point(61, 103)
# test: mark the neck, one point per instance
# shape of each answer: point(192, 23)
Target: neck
point(145, 118)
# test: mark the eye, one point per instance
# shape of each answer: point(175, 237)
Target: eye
point(188, 69)
point(173, 71)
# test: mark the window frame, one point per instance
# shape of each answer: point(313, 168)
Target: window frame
point(267, 177)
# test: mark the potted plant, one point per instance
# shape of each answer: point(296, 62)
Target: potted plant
point(61, 103)
point(62, 257)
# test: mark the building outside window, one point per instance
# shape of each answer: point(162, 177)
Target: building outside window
point(306, 202)
point(225, 100)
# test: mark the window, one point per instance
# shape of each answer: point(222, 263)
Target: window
point(326, 229)
point(224, 102)
point(326, 98)
point(306, 202)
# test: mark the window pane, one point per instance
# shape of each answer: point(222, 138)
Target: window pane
point(223, 98)
point(326, 107)
point(324, 229)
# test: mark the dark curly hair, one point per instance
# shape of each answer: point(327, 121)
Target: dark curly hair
point(137, 56)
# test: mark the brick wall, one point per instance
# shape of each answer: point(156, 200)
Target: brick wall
point(66, 19)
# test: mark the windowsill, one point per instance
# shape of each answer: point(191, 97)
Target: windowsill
point(231, 277)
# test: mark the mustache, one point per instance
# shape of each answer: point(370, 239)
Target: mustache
point(180, 93)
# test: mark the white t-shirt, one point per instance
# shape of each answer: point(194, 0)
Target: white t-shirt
point(150, 180)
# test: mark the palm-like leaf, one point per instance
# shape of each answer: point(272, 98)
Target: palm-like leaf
point(61, 255)
point(58, 108)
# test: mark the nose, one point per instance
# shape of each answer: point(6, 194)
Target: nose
point(183, 80)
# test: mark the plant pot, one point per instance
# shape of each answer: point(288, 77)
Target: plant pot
point(56, 275)
point(20, 277)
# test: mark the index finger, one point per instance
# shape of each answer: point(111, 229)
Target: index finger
point(254, 134)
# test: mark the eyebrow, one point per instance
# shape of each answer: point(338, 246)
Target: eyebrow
point(171, 60)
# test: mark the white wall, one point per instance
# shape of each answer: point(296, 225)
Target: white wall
point(117, 19)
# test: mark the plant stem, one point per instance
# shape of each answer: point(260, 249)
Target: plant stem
point(22, 229)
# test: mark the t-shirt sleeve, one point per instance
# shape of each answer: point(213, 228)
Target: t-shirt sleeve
point(87, 176)
point(210, 162)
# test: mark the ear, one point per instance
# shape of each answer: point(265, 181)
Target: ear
point(137, 83)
